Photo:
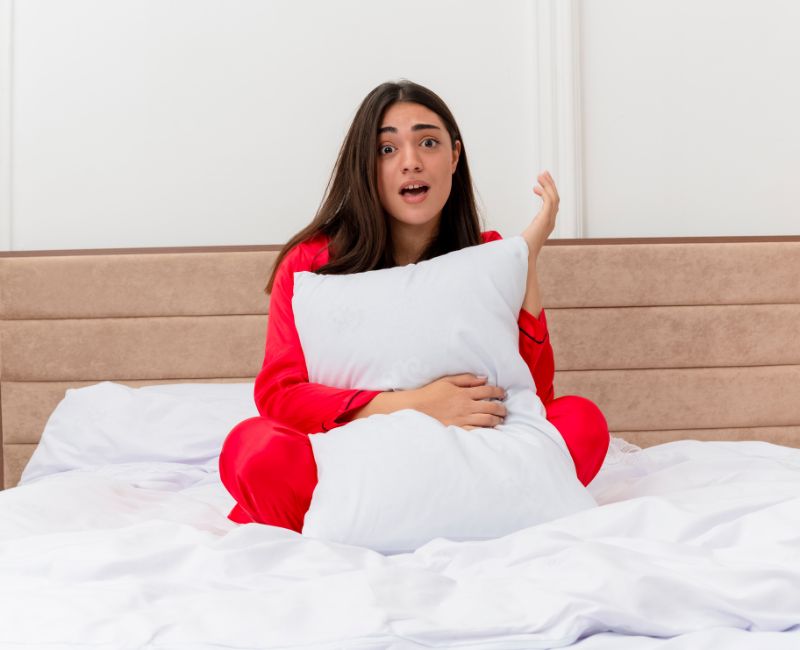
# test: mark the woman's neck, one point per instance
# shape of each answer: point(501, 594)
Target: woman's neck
point(410, 241)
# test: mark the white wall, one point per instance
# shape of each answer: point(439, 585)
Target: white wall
point(204, 122)
point(691, 117)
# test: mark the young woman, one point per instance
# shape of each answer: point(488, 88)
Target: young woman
point(400, 192)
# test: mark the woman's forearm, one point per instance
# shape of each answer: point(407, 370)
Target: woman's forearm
point(387, 402)
point(533, 301)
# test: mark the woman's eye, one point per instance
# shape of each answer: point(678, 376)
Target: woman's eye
point(434, 142)
point(382, 151)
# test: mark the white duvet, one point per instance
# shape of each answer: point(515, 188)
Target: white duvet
point(694, 545)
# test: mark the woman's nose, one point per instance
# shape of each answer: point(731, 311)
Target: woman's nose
point(412, 160)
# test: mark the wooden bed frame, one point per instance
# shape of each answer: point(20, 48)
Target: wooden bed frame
point(672, 338)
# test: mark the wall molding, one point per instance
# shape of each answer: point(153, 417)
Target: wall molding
point(559, 103)
point(6, 62)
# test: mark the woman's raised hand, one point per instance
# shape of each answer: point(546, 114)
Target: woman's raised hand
point(462, 400)
point(543, 223)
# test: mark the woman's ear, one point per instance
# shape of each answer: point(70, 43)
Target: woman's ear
point(456, 154)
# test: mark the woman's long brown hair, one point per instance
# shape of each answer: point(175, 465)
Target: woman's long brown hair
point(351, 213)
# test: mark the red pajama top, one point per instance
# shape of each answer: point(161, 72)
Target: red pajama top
point(282, 389)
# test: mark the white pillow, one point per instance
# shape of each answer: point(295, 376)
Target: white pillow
point(109, 423)
point(394, 482)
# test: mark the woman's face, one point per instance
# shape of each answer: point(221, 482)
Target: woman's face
point(414, 148)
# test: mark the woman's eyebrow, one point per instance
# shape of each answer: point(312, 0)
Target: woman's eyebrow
point(416, 127)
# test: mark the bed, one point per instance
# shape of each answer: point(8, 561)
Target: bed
point(689, 346)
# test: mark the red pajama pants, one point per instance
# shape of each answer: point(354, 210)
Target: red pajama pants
point(269, 468)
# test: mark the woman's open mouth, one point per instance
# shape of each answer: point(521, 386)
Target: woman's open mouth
point(415, 193)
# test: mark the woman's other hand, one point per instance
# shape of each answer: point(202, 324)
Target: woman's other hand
point(543, 223)
point(462, 400)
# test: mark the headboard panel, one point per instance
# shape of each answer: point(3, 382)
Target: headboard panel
point(671, 338)
point(73, 318)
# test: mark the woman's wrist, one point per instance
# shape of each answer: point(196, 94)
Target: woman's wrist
point(387, 402)
point(535, 239)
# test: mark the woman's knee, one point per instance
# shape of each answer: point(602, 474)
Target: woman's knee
point(238, 444)
point(582, 411)
point(269, 470)
point(585, 431)
point(260, 450)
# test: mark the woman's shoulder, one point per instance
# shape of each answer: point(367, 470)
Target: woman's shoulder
point(490, 235)
point(308, 255)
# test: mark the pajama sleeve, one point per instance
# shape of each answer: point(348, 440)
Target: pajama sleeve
point(536, 349)
point(534, 344)
point(282, 389)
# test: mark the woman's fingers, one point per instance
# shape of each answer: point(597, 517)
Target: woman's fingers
point(548, 185)
point(483, 420)
point(544, 222)
point(488, 407)
point(551, 185)
point(489, 391)
point(546, 190)
point(486, 412)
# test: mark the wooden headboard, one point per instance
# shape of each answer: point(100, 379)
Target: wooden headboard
point(690, 338)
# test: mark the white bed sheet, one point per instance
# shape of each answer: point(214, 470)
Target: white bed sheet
point(696, 545)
